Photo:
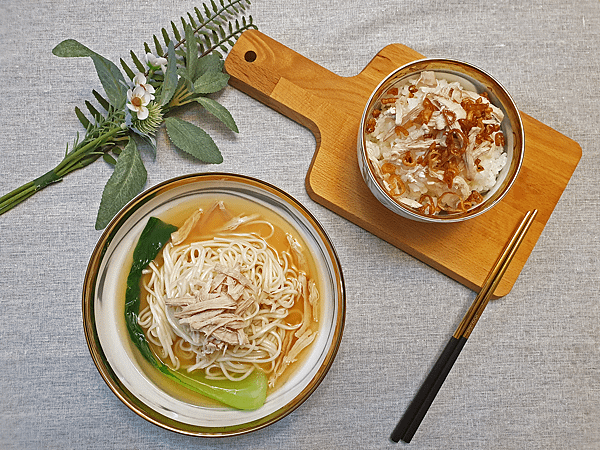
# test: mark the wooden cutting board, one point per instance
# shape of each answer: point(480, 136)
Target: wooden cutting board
point(331, 107)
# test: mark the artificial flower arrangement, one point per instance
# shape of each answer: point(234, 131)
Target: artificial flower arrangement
point(139, 100)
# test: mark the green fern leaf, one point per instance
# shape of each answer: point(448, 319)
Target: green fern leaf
point(192, 21)
point(93, 111)
point(84, 120)
point(138, 64)
point(103, 102)
point(176, 32)
point(166, 37)
point(199, 15)
point(109, 159)
point(158, 47)
point(127, 69)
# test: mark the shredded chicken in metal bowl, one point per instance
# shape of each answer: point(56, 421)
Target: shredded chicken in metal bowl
point(435, 145)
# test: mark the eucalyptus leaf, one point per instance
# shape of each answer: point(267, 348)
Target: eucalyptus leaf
point(211, 82)
point(110, 76)
point(191, 54)
point(70, 48)
point(125, 183)
point(144, 141)
point(193, 140)
point(170, 84)
point(211, 63)
point(219, 111)
point(112, 81)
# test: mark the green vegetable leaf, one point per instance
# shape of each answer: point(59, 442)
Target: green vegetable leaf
point(247, 394)
point(219, 111)
point(210, 82)
point(170, 84)
point(70, 48)
point(126, 182)
point(155, 235)
point(193, 140)
point(112, 81)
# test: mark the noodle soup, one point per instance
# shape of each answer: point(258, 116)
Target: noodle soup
point(111, 304)
point(234, 291)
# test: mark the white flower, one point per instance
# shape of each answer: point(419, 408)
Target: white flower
point(140, 80)
point(138, 101)
point(156, 62)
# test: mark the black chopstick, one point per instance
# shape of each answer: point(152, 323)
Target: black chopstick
point(414, 414)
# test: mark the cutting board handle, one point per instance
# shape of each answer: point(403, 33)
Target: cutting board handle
point(301, 89)
point(279, 77)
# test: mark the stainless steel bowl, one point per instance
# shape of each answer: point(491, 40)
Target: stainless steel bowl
point(472, 78)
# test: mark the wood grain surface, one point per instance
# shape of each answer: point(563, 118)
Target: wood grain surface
point(331, 107)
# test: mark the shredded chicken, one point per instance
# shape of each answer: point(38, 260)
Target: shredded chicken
point(240, 220)
point(307, 314)
point(183, 232)
point(177, 237)
point(436, 146)
point(296, 249)
point(218, 312)
point(291, 354)
point(313, 299)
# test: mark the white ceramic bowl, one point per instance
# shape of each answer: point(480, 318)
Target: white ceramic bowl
point(471, 78)
point(103, 309)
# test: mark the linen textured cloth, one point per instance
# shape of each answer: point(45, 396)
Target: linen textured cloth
point(529, 377)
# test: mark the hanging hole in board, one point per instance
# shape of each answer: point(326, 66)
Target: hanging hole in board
point(250, 56)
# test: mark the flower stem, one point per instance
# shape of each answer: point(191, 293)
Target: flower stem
point(71, 162)
point(73, 158)
point(15, 197)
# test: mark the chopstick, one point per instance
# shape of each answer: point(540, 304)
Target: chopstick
point(414, 414)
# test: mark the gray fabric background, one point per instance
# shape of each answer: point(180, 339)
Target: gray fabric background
point(529, 377)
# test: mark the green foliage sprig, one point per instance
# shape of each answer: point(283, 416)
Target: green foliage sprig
point(185, 66)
